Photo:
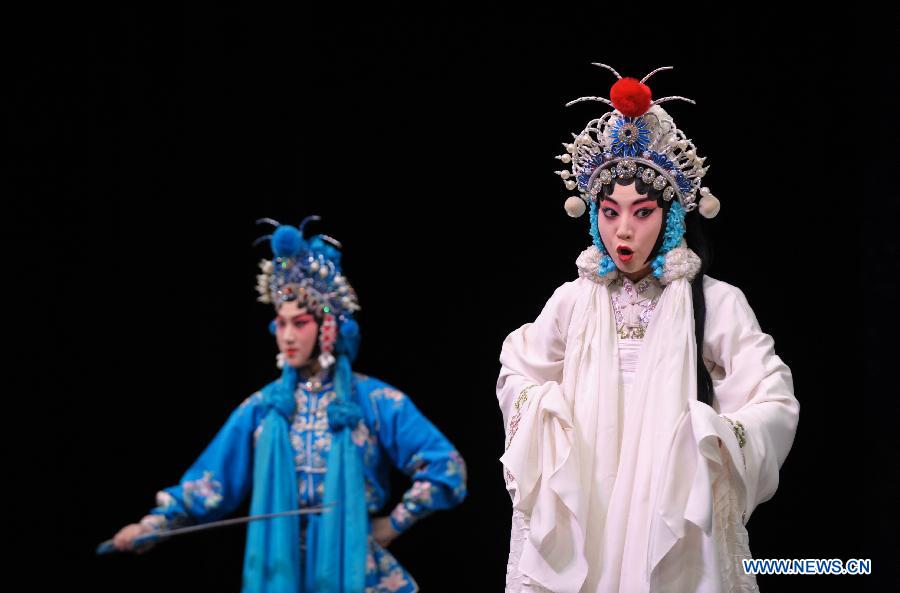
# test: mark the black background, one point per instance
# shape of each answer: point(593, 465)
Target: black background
point(145, 144)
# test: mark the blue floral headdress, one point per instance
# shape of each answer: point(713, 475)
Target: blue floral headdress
point(308, 270)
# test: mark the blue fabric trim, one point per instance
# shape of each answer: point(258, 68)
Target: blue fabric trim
point(272, 556)
point(341, 546)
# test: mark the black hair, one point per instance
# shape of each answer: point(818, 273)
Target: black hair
point(696, 241)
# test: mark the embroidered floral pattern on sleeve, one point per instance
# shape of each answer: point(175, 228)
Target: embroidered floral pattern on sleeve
point(738, 428)
point(416, 504)
point(388, 393)
point(514, 426)
point(425, 496)
point(167, 514)
point(456, 466)
point(517, 416)
point(205, 492)
point(165, 501)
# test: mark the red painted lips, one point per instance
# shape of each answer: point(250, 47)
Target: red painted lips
point(625, 253)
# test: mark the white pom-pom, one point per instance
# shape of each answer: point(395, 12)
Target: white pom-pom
point(570, 185)
point(566, 158)
point(709, 204)
point(570, 148)
point(575, 206)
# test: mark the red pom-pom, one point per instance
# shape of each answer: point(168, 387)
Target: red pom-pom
point(630, 96)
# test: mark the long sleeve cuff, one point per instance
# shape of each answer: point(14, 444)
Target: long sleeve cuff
point(417, 503)
point(169, 513)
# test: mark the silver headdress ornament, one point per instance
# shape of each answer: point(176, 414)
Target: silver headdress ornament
point(637, 139)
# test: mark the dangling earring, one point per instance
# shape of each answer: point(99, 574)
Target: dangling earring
point(327, 339)
point(280, 360)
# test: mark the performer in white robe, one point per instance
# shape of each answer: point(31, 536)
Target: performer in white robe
point(632, 467)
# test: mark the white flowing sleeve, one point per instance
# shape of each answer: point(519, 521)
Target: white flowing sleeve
point(533, 356)
point(755, 411)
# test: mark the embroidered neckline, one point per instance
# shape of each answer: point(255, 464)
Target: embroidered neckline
point(640, 286)
point(633, 313)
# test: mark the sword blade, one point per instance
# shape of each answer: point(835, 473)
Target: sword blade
point(107, 547)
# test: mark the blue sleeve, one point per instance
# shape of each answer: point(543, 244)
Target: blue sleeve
point(420, 451)
point(220, 478)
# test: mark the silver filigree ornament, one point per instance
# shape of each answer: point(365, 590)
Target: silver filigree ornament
point(626, 169)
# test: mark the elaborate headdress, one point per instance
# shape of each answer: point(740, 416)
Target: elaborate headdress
point(637, 139)
point(309, 271)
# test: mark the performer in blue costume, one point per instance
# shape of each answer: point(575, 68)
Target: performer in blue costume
point(320, 435)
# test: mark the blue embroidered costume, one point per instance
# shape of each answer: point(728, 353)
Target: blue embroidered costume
point(313, 440)
point(392, 431)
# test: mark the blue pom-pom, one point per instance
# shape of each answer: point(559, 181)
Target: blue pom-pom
point(350, 329)
point(343, 414)
point(273, 327)
point(286, 241)
point(319, 245)
point(348, 338)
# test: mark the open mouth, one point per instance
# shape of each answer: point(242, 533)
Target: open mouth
point(625, 253)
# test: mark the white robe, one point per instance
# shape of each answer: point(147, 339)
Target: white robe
point(617, 485)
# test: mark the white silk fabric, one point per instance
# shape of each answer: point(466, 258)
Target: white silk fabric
point(619, 490)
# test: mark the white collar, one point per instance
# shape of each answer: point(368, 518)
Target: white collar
point(681, 262)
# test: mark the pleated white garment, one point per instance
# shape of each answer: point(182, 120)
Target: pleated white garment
point(615, 470)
